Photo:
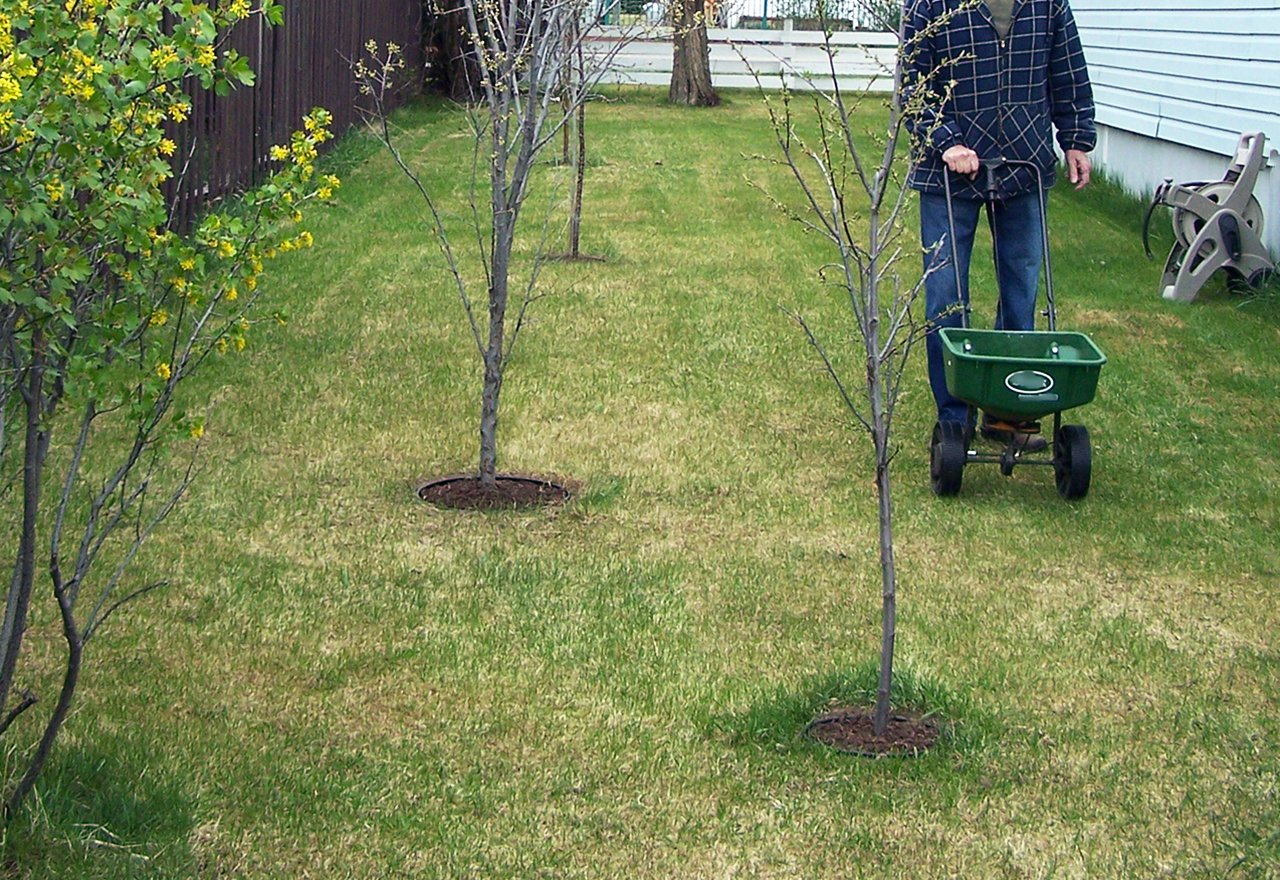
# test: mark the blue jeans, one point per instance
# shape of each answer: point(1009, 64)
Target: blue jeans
point(1016, 226)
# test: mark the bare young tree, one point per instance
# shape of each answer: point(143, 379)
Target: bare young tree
point(585, 64)
point(575, 84)
point(521, 50)
point(856, 200)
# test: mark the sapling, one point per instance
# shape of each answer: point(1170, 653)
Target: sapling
point(522, 49)
point(855, 198)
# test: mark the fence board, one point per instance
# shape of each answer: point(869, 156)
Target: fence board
point(224, 147)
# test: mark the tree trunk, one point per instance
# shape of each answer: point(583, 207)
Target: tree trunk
point(691, 64)
point(888, 583)
point(35, 448)
point(566, 156)
point(503, 235)
point(75, 653)
point(880, 423)
point(579, 179)
point(567, 93)
point(489, 417)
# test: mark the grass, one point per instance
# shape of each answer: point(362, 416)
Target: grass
point(343, 682)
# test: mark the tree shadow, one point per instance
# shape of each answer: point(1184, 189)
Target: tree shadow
point(776, 723)
point(105, 809)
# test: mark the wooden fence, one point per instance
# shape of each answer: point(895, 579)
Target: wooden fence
point(306, 63)
point(796, 58)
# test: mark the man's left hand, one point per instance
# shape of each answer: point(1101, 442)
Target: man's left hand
point(1078, 168)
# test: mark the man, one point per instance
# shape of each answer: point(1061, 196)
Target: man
point(990, 79)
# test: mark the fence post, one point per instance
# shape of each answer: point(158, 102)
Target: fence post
point(787, 50)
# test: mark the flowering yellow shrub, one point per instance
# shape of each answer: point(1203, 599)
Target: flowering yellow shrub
point(105, 309)
point(89, 224)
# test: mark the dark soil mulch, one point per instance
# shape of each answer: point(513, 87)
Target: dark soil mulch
point(464, 492)
point(578, 258)
point(851, 729)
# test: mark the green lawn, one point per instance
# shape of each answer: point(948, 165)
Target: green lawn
point(344, 682)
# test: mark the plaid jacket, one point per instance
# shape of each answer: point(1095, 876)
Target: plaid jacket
point(1004, 94)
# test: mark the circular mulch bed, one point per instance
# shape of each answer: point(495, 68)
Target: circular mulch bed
point(464, 492)
point(850, 729)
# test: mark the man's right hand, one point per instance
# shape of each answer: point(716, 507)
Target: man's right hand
point(961, 160)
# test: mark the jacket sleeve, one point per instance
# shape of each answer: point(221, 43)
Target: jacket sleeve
point(932, 128)
point(1070, 94)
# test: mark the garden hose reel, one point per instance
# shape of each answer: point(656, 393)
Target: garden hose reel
point(1216, 225)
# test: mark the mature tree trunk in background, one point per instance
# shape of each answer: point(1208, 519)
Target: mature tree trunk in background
point(691, 66)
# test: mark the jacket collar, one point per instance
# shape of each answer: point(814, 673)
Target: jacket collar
point(1013, 14)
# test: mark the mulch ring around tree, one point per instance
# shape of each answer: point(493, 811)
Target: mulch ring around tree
point(852, 729)
point(465, 492)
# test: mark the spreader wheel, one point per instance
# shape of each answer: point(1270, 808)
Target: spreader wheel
point(1072, 461)
point(946, 458)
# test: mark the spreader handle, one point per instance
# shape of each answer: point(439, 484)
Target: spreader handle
point(990, 167)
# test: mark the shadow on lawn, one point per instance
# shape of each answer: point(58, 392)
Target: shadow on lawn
point(103, 810)
point(777, 722)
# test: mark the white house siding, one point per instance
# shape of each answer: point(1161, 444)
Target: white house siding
point(1176, 82)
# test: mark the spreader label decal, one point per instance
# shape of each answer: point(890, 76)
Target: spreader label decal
point(1029, 382)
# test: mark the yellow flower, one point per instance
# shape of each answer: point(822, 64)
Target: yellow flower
point(158, 319)
point(226, 249)
point(251, 282)
point(163, 56)
point(204, 56)
point(221, 345)
point(305, 239)
point(55, 190)
point(10, 89)
point(279, 153)
point(188, 264)
point(76, 89)
point(163, 371)
point(197, 430)
point(240, 343)
point(180, 111)
point(167, 147)
point(232, 293)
